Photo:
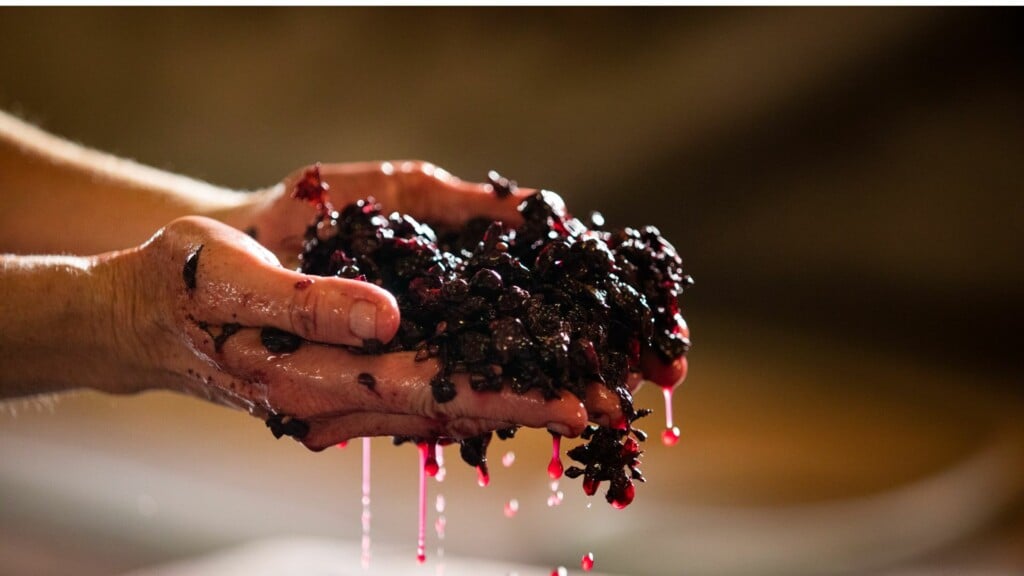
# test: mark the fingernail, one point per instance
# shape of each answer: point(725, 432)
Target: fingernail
point(362, 320)
point(559, 428)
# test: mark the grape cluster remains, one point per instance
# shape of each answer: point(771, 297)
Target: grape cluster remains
point(551, 305)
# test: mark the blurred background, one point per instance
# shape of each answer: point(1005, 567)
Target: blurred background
point(844, 185)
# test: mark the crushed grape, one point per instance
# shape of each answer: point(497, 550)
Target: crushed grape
point(550, 305)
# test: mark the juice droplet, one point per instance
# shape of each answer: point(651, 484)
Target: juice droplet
point(624, 499)
point(671, 434)
point(508, 459)
point(365, 557)
point(555, 468)
point(511, 507)
point(343, 444)
point(556, 496)
point(421, 541)
point(590, 486)
point(560, 571)
point(483, 477)
point(441, 470)
point(587, 563)
point(430, 464)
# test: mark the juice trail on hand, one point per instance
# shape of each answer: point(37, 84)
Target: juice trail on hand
point(365, 557)
point(671, 434)
point(421, 541)
point(555, 467)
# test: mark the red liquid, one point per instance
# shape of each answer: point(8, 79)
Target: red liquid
point(560, 571)
point(343, 444)
point(671, 434)
point(421, 542)
point(587, 563)
point(365, 560)
point(590, 486)
point(430, 463)
point(555, 468)
point(483, 477)
point(511, 508)
point(627, 497)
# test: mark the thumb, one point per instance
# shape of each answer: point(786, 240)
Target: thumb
point(237, 284)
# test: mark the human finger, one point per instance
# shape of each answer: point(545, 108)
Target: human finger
point(228, 278)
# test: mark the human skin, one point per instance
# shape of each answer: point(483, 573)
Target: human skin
point(116, 313)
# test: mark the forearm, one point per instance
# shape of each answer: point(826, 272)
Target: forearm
point(59, 197)
point(60, 326)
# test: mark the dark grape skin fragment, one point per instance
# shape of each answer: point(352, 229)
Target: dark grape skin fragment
point(226, 331)
point(366, 379)
point(474, 450)
point(188, 273)
point(442, 388)
point(279, 341)
point(287, 426)
point(503, 187)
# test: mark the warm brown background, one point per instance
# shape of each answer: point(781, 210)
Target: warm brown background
point(845, 185)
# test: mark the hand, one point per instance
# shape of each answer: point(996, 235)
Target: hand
point(420, 189)
point(198, 294)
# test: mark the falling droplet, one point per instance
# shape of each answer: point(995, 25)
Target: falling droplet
point(556, 496)
point(508, 459)
point(671, 434)
point(430, 464)
point(560, 571)
point(441, 470)
point(511, 507)
point(483, 477)
point(587, 562)
point(365, 558)
point(421, 541)
point(555, 466)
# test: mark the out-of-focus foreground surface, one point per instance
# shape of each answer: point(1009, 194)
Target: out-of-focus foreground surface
point(843, 184)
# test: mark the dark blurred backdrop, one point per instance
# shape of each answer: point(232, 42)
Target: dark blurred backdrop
point(850, 178)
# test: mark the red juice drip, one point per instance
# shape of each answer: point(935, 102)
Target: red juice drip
point(671, 434)
point(365, 560)
point(590, 486)
point(343, 444)
point(439, 456)
point(626, 498)
point(587, 562)
point(430, 463)
point(421, 542)
point(560, 571)
point(555, 466)
point(483, 477)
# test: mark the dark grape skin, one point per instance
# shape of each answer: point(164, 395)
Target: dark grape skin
point(549, 305)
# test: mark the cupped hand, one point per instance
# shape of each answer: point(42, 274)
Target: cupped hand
point(200, 294)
